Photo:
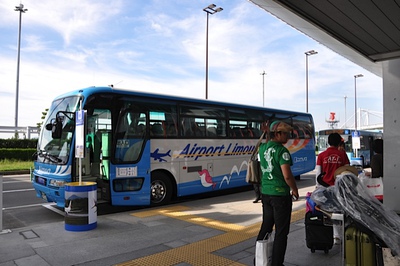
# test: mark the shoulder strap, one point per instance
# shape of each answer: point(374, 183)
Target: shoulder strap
point(254, 154)
point(266, 131)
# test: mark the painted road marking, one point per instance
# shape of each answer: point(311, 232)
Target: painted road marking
point(200, 253)
point(18, 190)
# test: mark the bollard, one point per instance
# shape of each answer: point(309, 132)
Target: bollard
point(1, 208)
point(80, 206)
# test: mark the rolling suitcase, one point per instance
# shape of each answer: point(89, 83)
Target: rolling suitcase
point(360, 249)
point(319, 231)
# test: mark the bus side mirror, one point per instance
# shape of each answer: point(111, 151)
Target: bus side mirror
point(56, 129)
point(49, 126)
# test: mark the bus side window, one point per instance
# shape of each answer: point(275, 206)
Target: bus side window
point(212, 132)
point(247, 133)
point(256, 132)
point(295, 134)
point(172, 130)
point(221, 128)
point(130, 131)
point(198, 130)
point(157, 130)
point(140, 130)
point(237, 133)
point(298, 132)
point(186, 128)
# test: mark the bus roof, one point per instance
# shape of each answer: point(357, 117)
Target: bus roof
point(107, 89)
point(346, 131)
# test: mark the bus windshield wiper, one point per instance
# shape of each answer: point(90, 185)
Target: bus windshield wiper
point(48, 156)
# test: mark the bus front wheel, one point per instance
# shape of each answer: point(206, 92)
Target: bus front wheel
point(161, 189)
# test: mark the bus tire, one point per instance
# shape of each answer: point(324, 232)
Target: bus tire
point(297, 177)
point(160, 189)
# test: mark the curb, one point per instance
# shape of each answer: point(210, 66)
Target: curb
point(15, 172)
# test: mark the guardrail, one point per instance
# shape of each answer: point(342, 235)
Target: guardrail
point(28, 131)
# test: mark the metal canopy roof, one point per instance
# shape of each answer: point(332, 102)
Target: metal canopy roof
point(352, 28)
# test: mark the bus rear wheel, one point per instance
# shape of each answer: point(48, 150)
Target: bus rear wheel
point(160, 189)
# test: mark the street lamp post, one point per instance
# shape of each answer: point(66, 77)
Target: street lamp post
point(308, 53)
point(355, 99)
point(355, 109)
point(21, 10)
point(211, 9)
point(263, 74)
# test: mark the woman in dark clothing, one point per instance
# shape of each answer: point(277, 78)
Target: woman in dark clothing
point(377, 158)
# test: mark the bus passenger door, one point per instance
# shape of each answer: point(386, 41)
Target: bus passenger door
point(130, 175)
point(104, 180)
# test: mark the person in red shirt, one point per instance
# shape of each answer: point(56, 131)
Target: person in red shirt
point(330, 160)
point(327, 162)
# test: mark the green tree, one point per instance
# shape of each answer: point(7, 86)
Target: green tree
point(40, 124)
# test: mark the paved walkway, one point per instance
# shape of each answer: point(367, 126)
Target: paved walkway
point(213, 231)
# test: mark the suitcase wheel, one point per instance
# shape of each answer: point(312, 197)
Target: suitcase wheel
point(326, 250)
point(312, 250)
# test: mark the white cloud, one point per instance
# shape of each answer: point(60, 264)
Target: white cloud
point(159, 47)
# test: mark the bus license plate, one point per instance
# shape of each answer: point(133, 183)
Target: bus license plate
point(41, 181)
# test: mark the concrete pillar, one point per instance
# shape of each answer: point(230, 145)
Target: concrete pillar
point(391, 134)
point(1, 203)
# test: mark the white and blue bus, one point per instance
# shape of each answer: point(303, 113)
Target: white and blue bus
point(365, 151)
point(146, 149)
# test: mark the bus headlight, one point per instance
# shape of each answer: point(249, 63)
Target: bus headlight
point(56, 183)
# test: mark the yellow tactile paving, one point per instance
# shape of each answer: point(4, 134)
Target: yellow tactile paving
point(149, 213)
point(200, 253)
point(203, 221)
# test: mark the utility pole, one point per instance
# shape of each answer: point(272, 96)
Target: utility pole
point(21, 10)
point(308, 53)
point(210, 10)
point(263, 74)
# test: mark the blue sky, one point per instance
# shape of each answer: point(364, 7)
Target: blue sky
point(159, 46)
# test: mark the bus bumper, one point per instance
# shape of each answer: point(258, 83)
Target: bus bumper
point(50, 195)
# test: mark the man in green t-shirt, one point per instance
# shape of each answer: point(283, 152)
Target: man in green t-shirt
point(278, 188)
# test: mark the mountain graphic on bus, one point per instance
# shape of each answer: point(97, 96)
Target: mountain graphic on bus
point(76, 205)
point(159, 156)
point(235, 170)
point(206, 179)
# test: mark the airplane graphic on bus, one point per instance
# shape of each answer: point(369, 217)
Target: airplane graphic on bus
point(160, 156)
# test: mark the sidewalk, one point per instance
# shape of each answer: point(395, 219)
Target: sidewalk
point(212, 231)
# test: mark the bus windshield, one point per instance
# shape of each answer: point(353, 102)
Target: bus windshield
point(57, 150)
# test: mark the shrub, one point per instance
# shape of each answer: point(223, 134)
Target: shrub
point(18, 143)
point(17, 154)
